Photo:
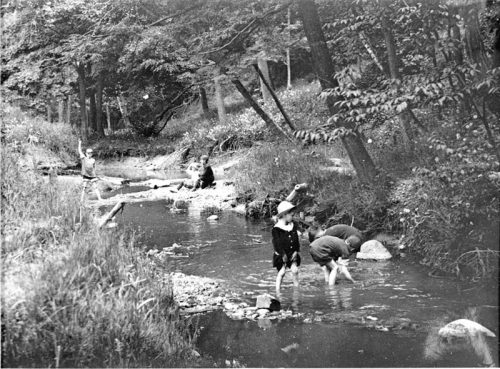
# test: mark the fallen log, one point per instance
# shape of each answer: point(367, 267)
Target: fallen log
point(158, 183)
point(112, 213)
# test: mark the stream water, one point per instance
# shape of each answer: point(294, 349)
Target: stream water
point(238, 252)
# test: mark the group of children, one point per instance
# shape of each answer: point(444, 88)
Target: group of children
point(201, 173)
point(329, 248)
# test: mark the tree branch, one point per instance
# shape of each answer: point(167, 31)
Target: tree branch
point(254, 22)
point(179, 13)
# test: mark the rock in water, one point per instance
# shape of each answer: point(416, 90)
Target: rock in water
point(267, 301)
point(464, 328)
point(459, 335)
point(181, 204)
point(373, 250)
point(213, 217)
point(290, 348)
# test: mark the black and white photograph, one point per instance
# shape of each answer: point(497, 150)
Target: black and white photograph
point(250, 183)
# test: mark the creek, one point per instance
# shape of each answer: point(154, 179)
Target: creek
point(388, 318)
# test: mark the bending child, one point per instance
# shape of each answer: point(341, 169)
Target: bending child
point(332, 254)
point(286, 244)
point(88, 171)
point(351, 235)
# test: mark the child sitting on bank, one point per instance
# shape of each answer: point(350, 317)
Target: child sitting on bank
point(201, 174)
point(332, 254)
point(206, 175)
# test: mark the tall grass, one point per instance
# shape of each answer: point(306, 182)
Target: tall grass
point(272, 168)
point(21, 128)
point(73, 295)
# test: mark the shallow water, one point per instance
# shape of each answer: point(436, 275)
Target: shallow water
point(238, 252)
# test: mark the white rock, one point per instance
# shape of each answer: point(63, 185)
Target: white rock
point(267, 301)
point(213, 217)
point(373, 250)
point(464, 328)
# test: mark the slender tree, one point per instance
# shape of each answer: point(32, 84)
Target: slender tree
point(83, 105)
point(325, 70)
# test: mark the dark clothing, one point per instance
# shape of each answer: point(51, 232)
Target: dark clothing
point(285, 243)
point(343, 231)
point(328, 248)
point(207, 176)
point(278, 261)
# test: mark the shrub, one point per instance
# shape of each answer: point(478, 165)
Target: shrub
point(272, 168)
point(20, 128)
point(237, 131)
point(446, 217)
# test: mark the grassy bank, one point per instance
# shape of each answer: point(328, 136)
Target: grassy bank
point(73, 295)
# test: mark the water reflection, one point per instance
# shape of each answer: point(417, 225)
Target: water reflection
point(340, 298)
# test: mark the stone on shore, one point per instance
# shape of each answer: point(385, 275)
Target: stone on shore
point(239, 209)
point(268, 302)
point(373, 250)
point(464, 328)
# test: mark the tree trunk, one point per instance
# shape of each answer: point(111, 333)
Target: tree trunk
point(325, 70)
point(60, 110)
point(48, 105)
point(473, 40)
point(275, 98)
point(219, 99)
point(98, 106)
point(92, 110)
point(391, 50)
point(404, 117)
point(83, 107)
point(248, 97)
point(108, 118)
point(495, 58)
point(457, 42)
point(122, 104)
point(288, 61)
point(266, 94)
point(204, 102)
point(68, 110)
point(369, 49)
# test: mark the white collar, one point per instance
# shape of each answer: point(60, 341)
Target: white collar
point(284, 227)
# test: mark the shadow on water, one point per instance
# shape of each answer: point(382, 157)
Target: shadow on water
point(238, 252)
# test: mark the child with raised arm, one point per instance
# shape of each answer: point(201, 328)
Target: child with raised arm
point(332, 254)
point(286, 244)
point(88, 171)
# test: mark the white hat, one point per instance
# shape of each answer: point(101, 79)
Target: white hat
point(284, 207)
point(89, 151)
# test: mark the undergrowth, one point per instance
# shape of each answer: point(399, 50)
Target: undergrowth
point(72, 295)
